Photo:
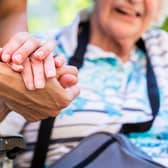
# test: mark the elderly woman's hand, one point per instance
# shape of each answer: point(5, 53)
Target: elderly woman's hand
point(21, 52)
point(27, 55)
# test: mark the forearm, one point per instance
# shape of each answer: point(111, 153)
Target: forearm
point(11, 25)
point(13, 18)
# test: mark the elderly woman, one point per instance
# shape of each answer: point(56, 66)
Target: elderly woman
point(118, 49)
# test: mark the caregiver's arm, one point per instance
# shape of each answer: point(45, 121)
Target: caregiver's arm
point(13, 18)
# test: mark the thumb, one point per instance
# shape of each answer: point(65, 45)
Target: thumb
point(68, 80)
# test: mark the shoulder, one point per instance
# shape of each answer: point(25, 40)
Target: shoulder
point(156, 42)
point(156, 36)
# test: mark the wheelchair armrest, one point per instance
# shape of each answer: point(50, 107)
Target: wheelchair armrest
point(11, 145)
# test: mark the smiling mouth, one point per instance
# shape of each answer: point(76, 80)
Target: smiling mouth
point(128, 12)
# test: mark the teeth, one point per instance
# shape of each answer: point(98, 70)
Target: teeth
point(121, 11)
point(128, 12)
point(138, 14)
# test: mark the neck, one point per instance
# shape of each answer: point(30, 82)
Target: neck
point(120, 46)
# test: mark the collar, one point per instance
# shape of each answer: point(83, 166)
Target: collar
point(94, 52)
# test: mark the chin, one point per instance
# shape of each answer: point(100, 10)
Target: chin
point(123, 30)
point(125, 33)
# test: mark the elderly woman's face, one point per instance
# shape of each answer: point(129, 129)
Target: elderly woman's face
point(126, 18)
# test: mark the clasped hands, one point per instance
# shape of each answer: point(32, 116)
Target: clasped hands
point(32, 81)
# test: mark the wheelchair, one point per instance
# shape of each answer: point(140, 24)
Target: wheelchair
point(9, 147)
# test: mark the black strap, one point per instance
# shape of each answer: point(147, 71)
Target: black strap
point(42, 144)
point(46, 125)
point(83, 38)
point(77, 60)
point(153, 94)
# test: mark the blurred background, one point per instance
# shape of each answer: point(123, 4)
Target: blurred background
point(47, 15)
point(51, 14)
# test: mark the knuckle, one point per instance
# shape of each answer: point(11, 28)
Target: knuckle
point(65, 102)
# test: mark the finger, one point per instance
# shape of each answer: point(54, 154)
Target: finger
point(59, 60)
point(72, 92)
point(68, 80)
point(67, 69)
point(27, 75)
point(49, 67)
point(16, 68)
point(45, 50)
point(38, 73)
point(16, 42)
point(25, 50)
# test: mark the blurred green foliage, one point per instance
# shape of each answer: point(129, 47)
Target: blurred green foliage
point(39, 24)
point(67, 9)
point(165, 25)
point(54, 13)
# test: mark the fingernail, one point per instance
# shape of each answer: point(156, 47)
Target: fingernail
point(30, 86)
point(51, 73)
point(39, 84)
point(39, 54)
point(17, 68)
point(17, 58)
point(5, 57)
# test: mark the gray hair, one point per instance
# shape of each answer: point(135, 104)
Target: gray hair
point(163, 12)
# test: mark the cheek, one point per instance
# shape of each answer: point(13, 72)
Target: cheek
point(104, 16)
point(152, 8)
